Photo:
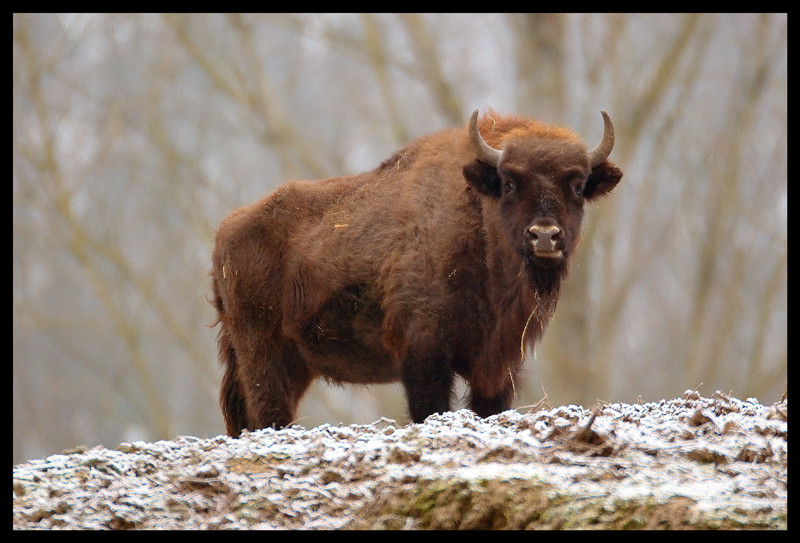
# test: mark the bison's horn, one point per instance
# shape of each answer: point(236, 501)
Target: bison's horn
point(599, 154)
point(486, 154)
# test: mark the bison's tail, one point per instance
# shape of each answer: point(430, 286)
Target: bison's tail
point(230, 394)
point(231, 399)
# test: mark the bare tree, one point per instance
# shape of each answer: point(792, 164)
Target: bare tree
point(134, 135)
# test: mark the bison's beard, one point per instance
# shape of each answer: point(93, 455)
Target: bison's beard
point(545, 275)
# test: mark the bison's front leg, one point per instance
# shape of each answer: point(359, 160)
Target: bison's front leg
point(487, 398)
point(486, 406)
point(428, 382)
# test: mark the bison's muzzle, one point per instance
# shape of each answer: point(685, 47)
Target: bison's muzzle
point(546, 240)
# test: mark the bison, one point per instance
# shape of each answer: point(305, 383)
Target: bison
point(446, 259)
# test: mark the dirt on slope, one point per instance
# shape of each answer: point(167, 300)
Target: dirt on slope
point(691, 462)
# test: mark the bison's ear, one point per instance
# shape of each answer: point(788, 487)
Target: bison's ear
point(483, 177)
point(602, 180)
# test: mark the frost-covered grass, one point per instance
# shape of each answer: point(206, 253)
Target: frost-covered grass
point(696, 462)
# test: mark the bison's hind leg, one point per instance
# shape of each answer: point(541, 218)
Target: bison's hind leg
point(428, 383)
point(273, 381)
point(262, 385)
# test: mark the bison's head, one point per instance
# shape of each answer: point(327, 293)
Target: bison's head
point(540, 179)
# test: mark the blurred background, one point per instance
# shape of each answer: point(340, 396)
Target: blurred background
point(134, 135)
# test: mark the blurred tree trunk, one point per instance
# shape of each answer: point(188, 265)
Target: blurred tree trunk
point(538, 48)
point(423, 43)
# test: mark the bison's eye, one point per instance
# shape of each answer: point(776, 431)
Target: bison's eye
point(575, 181)
point(509, 187)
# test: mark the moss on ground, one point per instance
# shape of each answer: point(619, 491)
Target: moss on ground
point(527, 504)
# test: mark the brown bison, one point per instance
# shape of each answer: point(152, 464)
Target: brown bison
point(446, 259)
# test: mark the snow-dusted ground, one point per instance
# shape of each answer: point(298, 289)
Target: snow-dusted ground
point(688, 462)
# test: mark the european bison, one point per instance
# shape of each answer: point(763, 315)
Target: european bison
point(446, 259)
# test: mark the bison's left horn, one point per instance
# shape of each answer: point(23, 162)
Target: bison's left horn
point(599, 154)
point(486, 154)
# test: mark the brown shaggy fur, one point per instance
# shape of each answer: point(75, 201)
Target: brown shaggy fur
point(416, 271)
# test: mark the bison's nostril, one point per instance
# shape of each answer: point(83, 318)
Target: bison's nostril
point(544, 237)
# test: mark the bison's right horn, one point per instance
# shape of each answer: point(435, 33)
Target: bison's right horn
point(599, 154)
point(486, 154)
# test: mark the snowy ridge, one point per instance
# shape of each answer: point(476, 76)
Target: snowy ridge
point(723, 461)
